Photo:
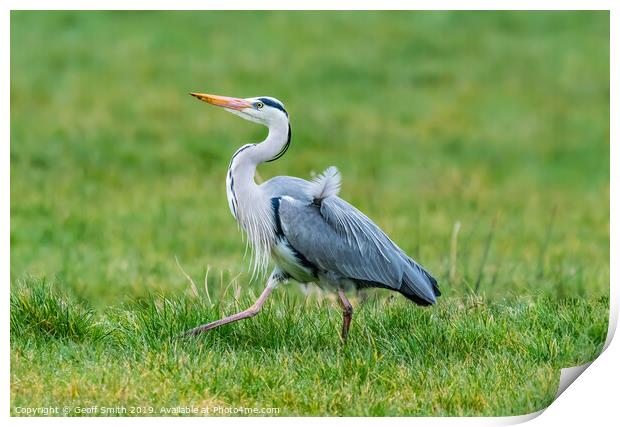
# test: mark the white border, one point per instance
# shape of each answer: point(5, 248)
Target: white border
point(593, 396)
point(317, 5)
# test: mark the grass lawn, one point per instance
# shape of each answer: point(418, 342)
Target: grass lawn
point(479, 141)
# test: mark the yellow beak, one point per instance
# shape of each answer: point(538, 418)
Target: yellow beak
point(223, 101)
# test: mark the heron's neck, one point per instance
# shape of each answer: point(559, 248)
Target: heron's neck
point(242, 168)
point(276, 143)
point(247, 202)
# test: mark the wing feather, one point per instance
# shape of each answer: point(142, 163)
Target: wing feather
point(325, 185)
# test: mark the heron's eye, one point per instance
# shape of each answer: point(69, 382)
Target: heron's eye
point(259, 105)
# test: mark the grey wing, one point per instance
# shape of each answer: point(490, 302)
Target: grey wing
point(291, 186)
point(338, 238)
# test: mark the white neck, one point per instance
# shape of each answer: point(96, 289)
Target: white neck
point(248, 204)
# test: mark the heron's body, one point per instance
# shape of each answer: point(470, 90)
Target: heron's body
point(305, 228)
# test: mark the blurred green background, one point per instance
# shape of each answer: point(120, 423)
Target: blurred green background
point(494, 121)
point(433, 118)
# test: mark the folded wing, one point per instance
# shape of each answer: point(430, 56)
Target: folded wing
point(336, 237)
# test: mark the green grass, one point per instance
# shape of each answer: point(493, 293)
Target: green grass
point(496, 121)
point(466, 357)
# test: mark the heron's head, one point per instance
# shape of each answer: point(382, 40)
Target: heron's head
point(263, 109)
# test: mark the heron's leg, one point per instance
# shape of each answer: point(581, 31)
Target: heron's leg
point(347, 313)
point(273, 281)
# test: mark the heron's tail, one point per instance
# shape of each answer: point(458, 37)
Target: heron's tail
point(419, 285)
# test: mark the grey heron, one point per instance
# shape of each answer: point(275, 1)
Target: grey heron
point(310, 234)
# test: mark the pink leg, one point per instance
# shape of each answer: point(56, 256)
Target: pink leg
point(250, 312)
point(347, 312)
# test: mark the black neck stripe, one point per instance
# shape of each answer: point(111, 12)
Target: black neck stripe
point(245, 147)
point(283, 150)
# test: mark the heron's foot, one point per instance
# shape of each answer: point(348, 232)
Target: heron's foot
point(200, 329)
point(250, 312)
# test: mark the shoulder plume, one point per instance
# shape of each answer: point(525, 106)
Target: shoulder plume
point(326, 184)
